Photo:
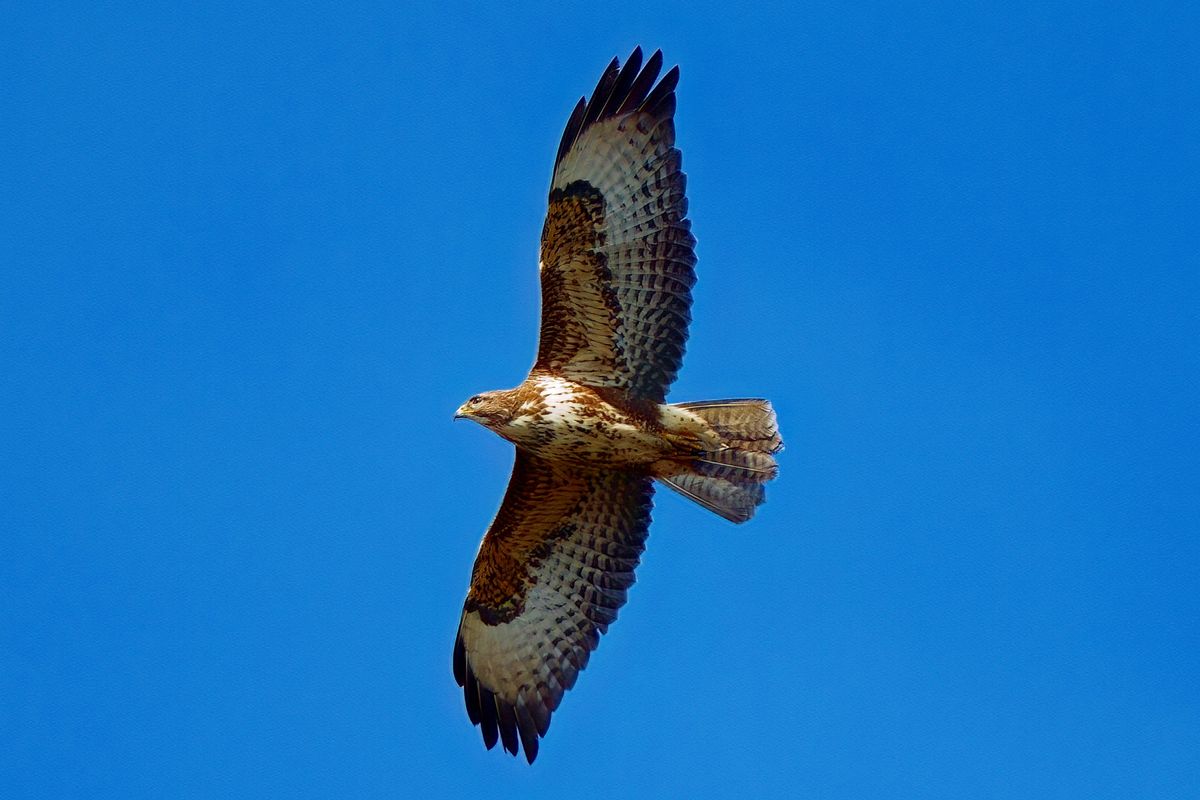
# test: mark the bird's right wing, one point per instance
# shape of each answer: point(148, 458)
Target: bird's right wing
point(550, 575)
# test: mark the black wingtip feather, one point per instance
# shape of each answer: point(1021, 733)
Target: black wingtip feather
point(641, 86)
point(622, 91)
point(600, 93)
point(541, 715)
point(489, 722)
point(572, 130)
point(508, 728)
point(665, 89)
point(624, 81)
point(663, 109)
point(460, 661)
point(528, 731)
point(471, 695)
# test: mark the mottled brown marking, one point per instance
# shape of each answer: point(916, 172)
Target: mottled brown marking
point(580, 310)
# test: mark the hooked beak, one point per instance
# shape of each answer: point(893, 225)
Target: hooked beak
point(461, 413)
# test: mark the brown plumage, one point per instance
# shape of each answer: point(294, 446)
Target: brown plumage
point(590, 423)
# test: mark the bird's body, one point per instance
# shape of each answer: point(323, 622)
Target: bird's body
point(592, 428)
point(562, 420)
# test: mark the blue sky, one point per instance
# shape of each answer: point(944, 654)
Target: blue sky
point(252, 256)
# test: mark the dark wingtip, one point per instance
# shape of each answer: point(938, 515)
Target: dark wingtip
point(528, 730)
point(510, 725)
point(471, 697)
point(622, 84)
point(460, 661)
point(645, 79)
point(600, 93)
point(662, 94)
point(508, 728)
point(622, 91)
point(571, 132)
point(489, 722)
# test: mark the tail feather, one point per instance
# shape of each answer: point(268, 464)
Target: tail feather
point(729, 481)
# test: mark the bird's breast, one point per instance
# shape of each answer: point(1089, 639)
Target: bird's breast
point(565, 421)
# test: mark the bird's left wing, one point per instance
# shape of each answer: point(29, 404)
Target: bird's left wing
point(551, 574)
point(617, 249)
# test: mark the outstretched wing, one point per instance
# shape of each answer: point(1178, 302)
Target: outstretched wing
point(617, 252)
point(550, 575)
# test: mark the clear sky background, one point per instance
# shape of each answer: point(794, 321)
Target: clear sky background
point(252, 257)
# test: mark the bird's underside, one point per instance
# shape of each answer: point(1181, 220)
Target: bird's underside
point(565, 421)
point(590, 424)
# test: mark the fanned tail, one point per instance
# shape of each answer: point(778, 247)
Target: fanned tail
point(729, 481)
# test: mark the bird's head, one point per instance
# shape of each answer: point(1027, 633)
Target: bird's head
point(490, 409)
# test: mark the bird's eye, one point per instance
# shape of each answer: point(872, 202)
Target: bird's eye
point(474, 401)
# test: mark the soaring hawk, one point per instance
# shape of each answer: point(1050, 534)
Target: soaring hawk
point(591, 426)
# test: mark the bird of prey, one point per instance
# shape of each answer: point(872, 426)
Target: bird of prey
point(590, 423)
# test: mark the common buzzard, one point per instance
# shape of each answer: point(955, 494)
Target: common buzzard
point(591, 426)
